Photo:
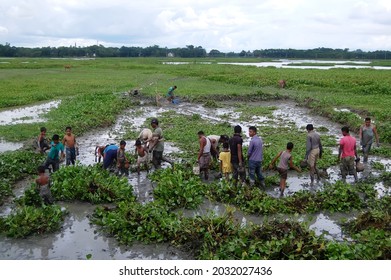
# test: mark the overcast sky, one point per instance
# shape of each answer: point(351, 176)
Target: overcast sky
point(225, 25)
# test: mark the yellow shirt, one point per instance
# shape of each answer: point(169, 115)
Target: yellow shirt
point(225, 158)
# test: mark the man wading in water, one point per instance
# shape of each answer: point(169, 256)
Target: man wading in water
point(367, 131)
point(157, 145)
point(237, 159)
point(314, 151)
point(204, 154)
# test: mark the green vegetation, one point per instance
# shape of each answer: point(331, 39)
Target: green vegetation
point(29, 220)
point(190, 52)
point(91, 95)
point(89, 183)
point(359, 90)
point(178, 188)
point(338, 197)
point(15, 166)
point(219, 237)
point(32, 216)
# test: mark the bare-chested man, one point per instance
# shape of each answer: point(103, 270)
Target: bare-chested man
point(69, 141)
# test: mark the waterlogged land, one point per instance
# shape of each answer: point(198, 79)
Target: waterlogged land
point(172, 210)
point(25, 81)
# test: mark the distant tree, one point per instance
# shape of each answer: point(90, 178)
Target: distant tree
point(257, 53)
point(189, 51)
point(216, 53)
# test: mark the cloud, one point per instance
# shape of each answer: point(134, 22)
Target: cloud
point(214, 24)
point(3, 30)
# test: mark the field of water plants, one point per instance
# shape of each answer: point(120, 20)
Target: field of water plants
point(172, 207)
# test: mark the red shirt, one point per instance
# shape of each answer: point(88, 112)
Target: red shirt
point(348, 145)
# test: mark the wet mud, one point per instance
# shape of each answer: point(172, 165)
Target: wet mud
point(79, 238)
point(23, 115)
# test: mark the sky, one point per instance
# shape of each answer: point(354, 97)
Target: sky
point(224, 25)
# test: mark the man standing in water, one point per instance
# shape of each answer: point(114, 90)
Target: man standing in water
point(157, 145)
point(367, 131)
point(314, 151)
point(255, 157)
point(204, 154)
point(237, 160)
point(347, 154)
point(69, 141)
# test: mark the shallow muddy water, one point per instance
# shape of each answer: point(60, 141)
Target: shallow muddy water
point(286, 63)
point(79, 238)
point(294, 64)
point(325, 224)
point(9, 146)
point(28, 114)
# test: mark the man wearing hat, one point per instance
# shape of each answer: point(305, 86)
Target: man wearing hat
point(157, 144)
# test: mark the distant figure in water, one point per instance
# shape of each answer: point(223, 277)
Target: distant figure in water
point(282, 83)
point(170, 94)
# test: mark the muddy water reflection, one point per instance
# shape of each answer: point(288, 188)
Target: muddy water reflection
point(9, 146)
point(325, 224)
point(79, 238)
point(30, 114)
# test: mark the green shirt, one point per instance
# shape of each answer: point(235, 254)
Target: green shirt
point(160, 145)
point(55, 149)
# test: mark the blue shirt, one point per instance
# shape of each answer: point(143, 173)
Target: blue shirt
point(55, 149)
point(255, 150)
point(109, 148)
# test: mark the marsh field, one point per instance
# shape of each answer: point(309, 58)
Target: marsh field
point(172, 213)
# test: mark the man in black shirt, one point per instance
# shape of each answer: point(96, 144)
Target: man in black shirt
point(237, 159)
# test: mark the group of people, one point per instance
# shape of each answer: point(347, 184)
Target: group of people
point(348, 150)
point(232, 160)
point(66, 148)
point(147, 142)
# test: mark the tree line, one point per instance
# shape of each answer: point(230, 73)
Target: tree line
point(189, 51)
